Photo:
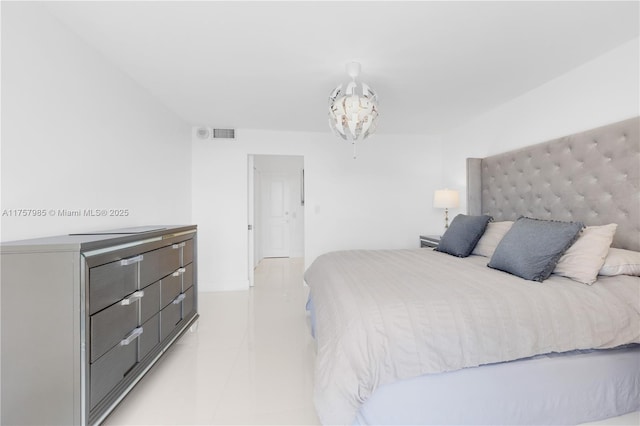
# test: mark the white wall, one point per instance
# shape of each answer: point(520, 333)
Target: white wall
point(77, 133)
point(600, 92)
point(383, 199)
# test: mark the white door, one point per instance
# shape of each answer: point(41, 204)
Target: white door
point(276, 199)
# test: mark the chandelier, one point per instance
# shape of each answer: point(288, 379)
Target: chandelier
point(353, 108)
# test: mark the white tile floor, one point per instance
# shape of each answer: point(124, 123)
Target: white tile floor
point(250, 361)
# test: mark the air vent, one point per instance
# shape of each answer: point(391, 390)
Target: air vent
point(224, 133)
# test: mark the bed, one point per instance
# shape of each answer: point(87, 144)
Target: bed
point(424, 337)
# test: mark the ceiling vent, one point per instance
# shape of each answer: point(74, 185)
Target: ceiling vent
point(204, 133)
point(224, 133)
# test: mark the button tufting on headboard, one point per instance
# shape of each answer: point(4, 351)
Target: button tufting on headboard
point(593, 177)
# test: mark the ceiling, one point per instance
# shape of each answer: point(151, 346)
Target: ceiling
point(272, 65)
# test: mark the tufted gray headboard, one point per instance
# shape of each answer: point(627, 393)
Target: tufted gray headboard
point(593, 177)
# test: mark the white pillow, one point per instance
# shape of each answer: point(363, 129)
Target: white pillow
point(621, 262)
point(583, 260)
point(491, 238)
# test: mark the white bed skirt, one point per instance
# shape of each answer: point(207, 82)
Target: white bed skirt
point(554, 389)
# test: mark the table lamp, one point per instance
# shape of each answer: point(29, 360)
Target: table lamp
point(446, 199)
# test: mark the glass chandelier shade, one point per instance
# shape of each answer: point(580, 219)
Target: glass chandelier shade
point(353, 108)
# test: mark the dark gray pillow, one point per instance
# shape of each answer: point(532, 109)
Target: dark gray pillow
point(463, 234)
point(532, 247)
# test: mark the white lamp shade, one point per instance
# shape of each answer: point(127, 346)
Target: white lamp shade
point(446, 199)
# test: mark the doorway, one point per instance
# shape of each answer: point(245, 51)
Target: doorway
point(276, 208)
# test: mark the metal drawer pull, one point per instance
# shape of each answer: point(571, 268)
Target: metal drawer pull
point(177, 246)
point(179, 298)
point(133, 298)
point(131, 337)
point(131, 260)
point(179, 272)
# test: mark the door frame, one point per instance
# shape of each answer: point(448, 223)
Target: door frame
point(253, 231)
point(251, 169)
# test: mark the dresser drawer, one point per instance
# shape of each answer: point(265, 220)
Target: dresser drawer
point(150, 303)
point(187, 252)
point(109, 370)
point(170, 287)
point(157, 264)
point(188, 304)
point(187, 277)
point(110, 326)
point(111, 282)
point(150, 337)
point(170, 317)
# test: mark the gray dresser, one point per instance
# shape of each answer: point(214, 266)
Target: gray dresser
point(84, 317)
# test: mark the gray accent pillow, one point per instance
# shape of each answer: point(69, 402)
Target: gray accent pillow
point(463, 234)
point(532, 247)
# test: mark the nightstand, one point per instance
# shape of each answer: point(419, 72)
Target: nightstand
point(429, 240)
